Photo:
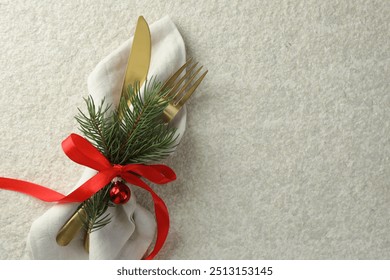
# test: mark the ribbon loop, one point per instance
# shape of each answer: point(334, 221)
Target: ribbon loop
point(81, 151)
point(156, 173)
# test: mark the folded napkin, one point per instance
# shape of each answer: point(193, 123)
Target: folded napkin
point(132, 227)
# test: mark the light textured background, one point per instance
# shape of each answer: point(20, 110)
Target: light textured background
point(286, 153)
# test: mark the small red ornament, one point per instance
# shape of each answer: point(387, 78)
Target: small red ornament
point(120, 193)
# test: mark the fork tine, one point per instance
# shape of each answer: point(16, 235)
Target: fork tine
point(186, 84)
point(171, 80)
point(192, 89)
point(174, 90)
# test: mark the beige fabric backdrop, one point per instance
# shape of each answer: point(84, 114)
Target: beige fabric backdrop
point(286, 153)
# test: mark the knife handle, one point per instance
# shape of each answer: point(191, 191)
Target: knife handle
point(69, 230)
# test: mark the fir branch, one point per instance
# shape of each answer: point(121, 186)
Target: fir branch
point(146, 138)
point(130, 134)
point(95, 125)
point(95, 207)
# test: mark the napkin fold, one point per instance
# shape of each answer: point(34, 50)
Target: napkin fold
point(132, 227)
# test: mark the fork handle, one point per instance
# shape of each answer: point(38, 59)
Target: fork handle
point(170, 112)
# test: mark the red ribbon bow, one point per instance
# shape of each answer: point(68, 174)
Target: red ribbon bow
point(83, 152)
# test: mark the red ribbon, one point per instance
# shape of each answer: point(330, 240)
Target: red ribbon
point(83, 152)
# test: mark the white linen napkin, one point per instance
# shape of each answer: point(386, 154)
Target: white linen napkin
point(132, 227)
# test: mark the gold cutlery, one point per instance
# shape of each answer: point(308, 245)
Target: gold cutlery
point(180, 87)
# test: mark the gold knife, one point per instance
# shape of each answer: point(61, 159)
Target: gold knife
point(136, 71)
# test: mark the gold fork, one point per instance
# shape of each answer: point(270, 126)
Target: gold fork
point(181, 93)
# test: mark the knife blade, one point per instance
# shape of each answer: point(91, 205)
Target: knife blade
point(139, 57)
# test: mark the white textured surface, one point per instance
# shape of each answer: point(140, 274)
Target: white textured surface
point(286, 152)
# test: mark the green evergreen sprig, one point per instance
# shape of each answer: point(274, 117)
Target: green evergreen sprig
point(128, 134)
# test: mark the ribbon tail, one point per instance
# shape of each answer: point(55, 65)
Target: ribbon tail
point(161, 211)
point(82, 193)
point(31, 189)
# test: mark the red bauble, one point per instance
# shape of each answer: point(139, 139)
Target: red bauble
point(120, 193)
